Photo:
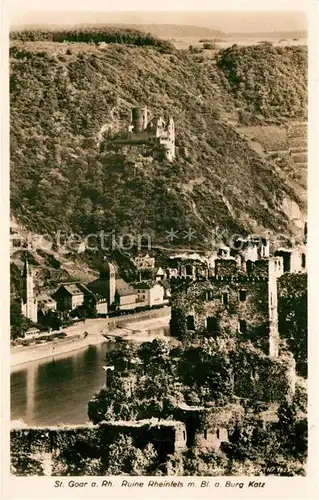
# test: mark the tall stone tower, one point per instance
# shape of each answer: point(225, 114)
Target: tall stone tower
point(275, 270)
point(29, 304)
point(145, 118)
point(111, 284)
point(160, 127)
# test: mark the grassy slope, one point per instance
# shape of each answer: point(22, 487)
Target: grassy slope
point(62, 177)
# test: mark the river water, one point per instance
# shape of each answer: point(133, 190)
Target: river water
point(57, 391)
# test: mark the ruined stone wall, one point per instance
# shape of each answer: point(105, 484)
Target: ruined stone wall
point(229, 302)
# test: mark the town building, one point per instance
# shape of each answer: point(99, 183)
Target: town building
point(165, 283)
point(125, 299)
point(106, 284)
point(46, 303)
point(29, 303)
point(159, 274)
point(114, 291)
point(123, 296)
point(68, 296)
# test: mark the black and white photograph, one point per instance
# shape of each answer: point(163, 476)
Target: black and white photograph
point(158, 245)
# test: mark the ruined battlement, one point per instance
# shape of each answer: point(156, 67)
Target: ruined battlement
point(238, 278)
point(230, 270)
point(143, 129)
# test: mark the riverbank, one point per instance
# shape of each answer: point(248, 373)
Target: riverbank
point(131, 329)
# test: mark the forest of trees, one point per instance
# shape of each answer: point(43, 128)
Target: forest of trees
point(267, 81)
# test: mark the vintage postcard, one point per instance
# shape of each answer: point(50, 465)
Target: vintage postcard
point(158, 335)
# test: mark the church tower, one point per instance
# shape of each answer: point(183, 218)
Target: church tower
point(29, 305)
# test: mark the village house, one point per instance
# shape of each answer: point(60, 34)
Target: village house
point(153, 132)
point(125, 299)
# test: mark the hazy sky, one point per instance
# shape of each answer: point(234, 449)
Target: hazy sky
point(202, 13)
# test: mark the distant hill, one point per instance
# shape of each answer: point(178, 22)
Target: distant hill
point(269, 34)
point(67, 176)
point(173, 30)
point(95, 34)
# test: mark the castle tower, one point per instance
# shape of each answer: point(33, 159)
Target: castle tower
point(275, 270)
point(112, 283)
point(145, 118)
point(29, 305)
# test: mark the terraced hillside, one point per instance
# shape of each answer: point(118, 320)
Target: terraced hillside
point(285, 145)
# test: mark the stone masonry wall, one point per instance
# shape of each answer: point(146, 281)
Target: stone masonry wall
point(122, 320)
point(90, 441)
point(262, 378)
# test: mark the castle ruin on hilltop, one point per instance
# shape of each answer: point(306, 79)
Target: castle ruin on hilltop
point(155, 132)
